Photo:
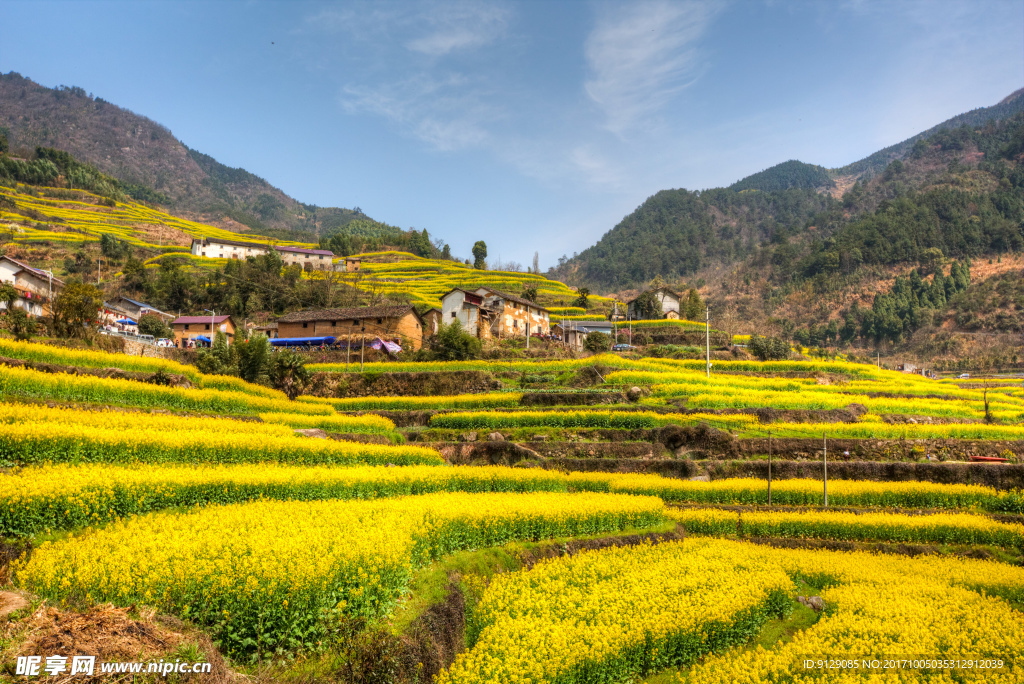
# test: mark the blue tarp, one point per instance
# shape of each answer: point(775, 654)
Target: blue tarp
point(126, 321)
point(201, 338)
point(301, 341)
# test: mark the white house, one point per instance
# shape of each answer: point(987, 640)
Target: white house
point(309, 259)
point(36, 288)
point(491, 313)
point(669, 303)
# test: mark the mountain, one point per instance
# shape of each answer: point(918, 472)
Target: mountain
point(152, 164)
point(790, 174)
point(789, 209)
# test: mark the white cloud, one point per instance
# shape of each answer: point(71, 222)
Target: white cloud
point(448, 114)
point(640, 56)
point(460, 26)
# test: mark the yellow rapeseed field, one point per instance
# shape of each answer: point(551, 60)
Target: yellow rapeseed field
point(604, 616)
point(271, 575)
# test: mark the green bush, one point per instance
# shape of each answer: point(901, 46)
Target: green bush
point(597, 342)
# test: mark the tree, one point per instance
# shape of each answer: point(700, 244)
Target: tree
point(151, 324)
point(452, 343)
point(446, 252)
point(694, 307)
point(112, 248)
point(4, 145)
point(536, 262)
point(530, 293)
point(288, 373)
point(253, 357)
point(768, 348)
point(647, 306)
point(19, 324)
point(479, 255)
point(8, 295)
point(597, 342)
point(74, 308)
point(581, 300)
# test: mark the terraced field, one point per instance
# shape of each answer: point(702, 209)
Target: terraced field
point(600, 519)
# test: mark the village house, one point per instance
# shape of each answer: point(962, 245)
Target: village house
point(135, 310)
point(487, 313)
point(352, 264)
point(36, 288)
point(202, 329)
point(390, 323)
point(574, 333)
point(669, 304)
point(308, 259)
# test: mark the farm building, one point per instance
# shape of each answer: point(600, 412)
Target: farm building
point(488, 313)
point(202, 329)
point(35, 287)
point(398, 323)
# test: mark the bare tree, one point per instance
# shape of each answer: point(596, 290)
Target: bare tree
point(536, 262)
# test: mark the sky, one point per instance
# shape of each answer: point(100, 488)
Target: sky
point(535, 126)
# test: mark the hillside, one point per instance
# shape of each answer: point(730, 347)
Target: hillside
point(152, 163)
point(678, 234)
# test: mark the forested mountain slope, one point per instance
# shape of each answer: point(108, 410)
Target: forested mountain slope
point(960, 172)
point(152, 164)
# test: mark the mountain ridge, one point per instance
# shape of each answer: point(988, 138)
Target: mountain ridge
point(141, 152)
point(727, 225)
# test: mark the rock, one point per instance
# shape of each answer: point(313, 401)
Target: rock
point(816, 604)
point(539, 438)
point(315, 433)
point(467, 437)
point(634, 393)
point(495, 437)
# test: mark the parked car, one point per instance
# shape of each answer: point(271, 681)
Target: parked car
point(965, 376)
point(623, 347)
point(164, 342)
point(149, 339)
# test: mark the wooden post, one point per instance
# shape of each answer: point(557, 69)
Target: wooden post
point(769, 467)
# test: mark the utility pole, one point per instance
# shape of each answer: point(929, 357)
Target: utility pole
point(362, 345)
point(348, 351)
point(769, 467)
point(824, 461)
point(707, 336)
point(615, 323)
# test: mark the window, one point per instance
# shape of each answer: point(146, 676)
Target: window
point(453, 314)
point(334, 324)
point(355, 322)
point(186, 326)
point(305, 325)
point(204, 253)
point(379, 321)
point(207, 326)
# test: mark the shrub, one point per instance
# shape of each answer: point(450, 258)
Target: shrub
point(768, 348)
point(597, 342)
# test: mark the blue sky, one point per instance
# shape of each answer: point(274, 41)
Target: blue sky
point(535, 126)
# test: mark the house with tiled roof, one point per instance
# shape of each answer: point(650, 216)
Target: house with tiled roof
point(36, 288)
point(219, 248)
point(397, 323)
point(488, 313)
point(202, 329)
